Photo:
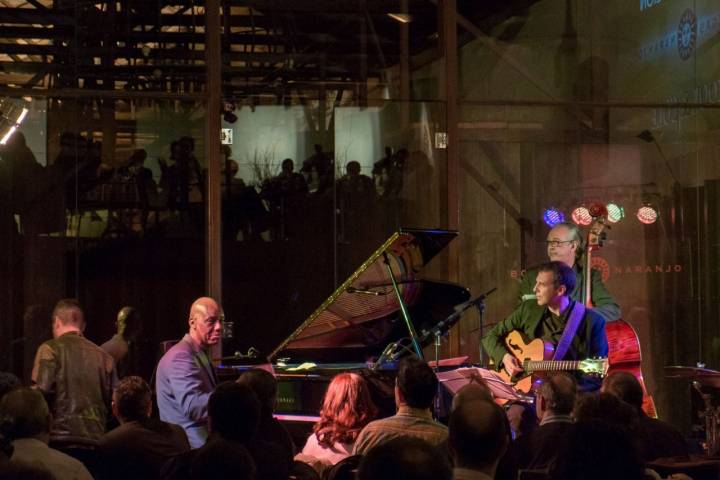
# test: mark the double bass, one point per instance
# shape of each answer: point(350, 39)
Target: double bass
point(623, 343)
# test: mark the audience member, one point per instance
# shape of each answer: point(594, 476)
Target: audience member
point(606, 407)
point(597, 449)
point(233, 416)
point(121, 345)
point(222, 459)
point(25, 420)
point(77, 377)
point(269, 429)
point(477, 390)
point(346, 409)
point(8, 382)
point(415, 389)
point(554, 402)
point(657, 438)
point(141, 445)
point(478, 437)
point(405, 458)
point(24, 471)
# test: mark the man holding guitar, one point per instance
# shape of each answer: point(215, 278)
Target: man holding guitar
point(576, 333)
point(564, 244)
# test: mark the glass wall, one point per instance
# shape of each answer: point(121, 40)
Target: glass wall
point(336, 131)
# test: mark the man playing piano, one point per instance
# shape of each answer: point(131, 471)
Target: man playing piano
point(547, 318)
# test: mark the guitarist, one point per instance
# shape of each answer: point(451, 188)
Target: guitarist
point(548, 318)
point(564, 244)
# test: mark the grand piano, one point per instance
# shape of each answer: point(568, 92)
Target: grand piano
point(365, 324)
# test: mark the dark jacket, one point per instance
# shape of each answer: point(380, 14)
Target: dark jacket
point(77, 377)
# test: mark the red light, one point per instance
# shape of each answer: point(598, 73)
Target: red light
point(647, 214)
point(582, 216)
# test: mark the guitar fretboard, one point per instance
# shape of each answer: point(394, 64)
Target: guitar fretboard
point(552, 366)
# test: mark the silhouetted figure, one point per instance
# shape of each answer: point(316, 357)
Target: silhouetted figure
point(264, 385)
point(405, 458)
point(478, 436)
point(285, 193)
point(657, 438)
point(356, 201)
point(123, 345)
point(319, 167)
point(141, 445)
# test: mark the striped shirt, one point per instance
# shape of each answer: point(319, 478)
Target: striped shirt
point(407, 422)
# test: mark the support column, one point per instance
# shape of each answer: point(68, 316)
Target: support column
point(449, 42)
point(213, 236)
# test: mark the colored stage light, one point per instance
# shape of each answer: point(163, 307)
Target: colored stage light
point(581, 216)
point(615, 212)
point(647, 214)
point(553, 216)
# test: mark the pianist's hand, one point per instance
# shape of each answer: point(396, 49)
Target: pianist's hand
point(511, 364)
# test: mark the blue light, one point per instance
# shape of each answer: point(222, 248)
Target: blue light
point(553, 216)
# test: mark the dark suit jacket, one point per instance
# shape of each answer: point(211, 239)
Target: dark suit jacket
point(139, 449)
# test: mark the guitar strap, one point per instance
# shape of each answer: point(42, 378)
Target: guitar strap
point(577, 312)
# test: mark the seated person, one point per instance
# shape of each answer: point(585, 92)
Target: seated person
point(405, 458)
point(264, 385)
point(415, 389)
point(26, 419)
point(141, 445)
point(346, 409)
point(547, 319)
point(657, 438)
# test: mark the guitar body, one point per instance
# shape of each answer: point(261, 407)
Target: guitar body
point(533, 351)
point(624, 356)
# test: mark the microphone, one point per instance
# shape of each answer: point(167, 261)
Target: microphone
point(365, 291)
point(384, 355)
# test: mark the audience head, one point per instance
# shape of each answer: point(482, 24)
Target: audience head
point(25, 471)
point(24, 413)
point(67, 316)
point(288, 166)
point(8, 382)
point(405, 458)
point(556, 395)
point(478, 435)
point(346, 409)
point(205, 322)
point(626, 387)
point(222, 459)
point(597, 450)
point(353, 168)
point(233, 412)
point(264, 385)
point(128, 323)
point(605, 407)
point(132, 400)
point(475, 390)
point(416, 383)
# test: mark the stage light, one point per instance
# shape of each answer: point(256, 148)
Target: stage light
point(12, 115)
point(615, 212)
point(647, 214)
point(581, 216)
point(552, 216)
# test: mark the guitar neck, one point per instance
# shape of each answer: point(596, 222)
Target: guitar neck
point(552, 365)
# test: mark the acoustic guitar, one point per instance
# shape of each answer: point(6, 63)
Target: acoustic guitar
point(623, 342)
point(534, 357)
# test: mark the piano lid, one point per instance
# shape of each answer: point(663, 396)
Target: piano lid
point(352, 317)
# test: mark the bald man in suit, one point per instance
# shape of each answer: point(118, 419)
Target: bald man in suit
point(186, 376)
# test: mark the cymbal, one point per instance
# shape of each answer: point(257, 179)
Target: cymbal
point(679, 371)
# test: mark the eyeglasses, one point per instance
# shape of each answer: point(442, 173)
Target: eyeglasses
point(557, 243)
